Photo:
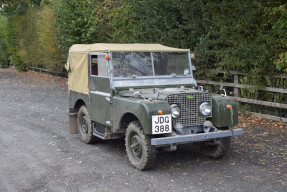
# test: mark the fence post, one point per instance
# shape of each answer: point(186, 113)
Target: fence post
point(236, 89)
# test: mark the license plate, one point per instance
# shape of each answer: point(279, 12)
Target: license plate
point(161, 124)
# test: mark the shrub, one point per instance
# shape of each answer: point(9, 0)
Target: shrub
point(3, 42)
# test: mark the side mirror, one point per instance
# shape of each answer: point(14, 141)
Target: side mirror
point(222, 88)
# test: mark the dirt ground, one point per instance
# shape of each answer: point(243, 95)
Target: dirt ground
point(37, 153)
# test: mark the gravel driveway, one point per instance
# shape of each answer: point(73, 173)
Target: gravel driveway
point(37, 153)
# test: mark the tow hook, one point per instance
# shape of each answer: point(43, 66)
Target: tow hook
point(208, 127)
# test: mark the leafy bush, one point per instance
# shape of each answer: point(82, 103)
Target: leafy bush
point(16, 59)
point(249, 36)
point(230, 35)
point(280, 28)
point(3, 42)
point(40, 41)
point(14, 41)
point(81, 22)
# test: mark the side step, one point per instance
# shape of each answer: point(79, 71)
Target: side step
point(104, 132)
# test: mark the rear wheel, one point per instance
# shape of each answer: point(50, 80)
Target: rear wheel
point(85, 126)
point(140, 152)
point(216, 149)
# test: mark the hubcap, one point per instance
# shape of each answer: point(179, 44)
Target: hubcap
point(136, 146)
point(84, 125)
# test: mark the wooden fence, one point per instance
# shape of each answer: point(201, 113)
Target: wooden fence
point(46, 71)
point(236, 93)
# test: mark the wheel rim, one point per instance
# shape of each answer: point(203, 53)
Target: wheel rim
point(83, 125)
point(135, 144)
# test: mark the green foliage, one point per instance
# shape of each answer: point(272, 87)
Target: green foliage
point(39, 41)
point(174, 22)
point(16, 55)
point(3, 42)
point(232, 35)
point(240, 37)
point(85, 21)
point(243, 35)
point(248, 93)
point(30, 37)
point(249, 36)
point(280, 27)
point(17, 60)
point(19, 7)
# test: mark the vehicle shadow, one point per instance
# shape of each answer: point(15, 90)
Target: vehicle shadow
point(185, 155)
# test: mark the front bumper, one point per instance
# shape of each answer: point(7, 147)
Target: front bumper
point(195, 137)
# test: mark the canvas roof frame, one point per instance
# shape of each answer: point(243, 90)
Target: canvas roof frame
point(77, 63)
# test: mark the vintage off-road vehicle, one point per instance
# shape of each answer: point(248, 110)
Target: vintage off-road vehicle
point(147, 94)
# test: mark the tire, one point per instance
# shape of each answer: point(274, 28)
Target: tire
point(85, 126)
point(140, 152)
point(216, 150)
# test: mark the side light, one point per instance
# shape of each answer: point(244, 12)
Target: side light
point(107, 57)
point(160, 112)
point(228, 107)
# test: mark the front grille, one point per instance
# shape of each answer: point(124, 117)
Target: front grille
point(189, 107)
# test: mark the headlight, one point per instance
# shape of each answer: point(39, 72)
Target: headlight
point(175, 111)
point(205, 109)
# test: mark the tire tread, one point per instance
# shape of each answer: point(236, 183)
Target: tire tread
point(148, 160)
point(90, 138)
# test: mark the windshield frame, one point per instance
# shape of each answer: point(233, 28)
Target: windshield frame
point(151, 81)
point(190, 67)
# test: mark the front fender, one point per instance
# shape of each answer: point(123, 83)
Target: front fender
point(142, 109)
point(221, 116)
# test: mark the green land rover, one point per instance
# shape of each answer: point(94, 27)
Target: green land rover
point(145, 93)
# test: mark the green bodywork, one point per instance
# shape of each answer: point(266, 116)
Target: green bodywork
point(101, 105)
point(142, 110)
point(221, 116)
point(99, 84)
point(114, 108)
point(124, 104)
point(77, 99)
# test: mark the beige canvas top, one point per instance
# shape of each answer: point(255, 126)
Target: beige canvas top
point(77, 64)
point(109, 47)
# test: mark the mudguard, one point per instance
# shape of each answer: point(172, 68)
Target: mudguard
point(221, 115)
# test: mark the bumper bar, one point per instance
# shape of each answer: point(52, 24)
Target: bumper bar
point(195, 137)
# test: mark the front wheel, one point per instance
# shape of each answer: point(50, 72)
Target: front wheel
point(216, 149)
point(140, 152)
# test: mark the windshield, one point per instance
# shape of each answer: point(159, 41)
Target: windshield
point(150, 64)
